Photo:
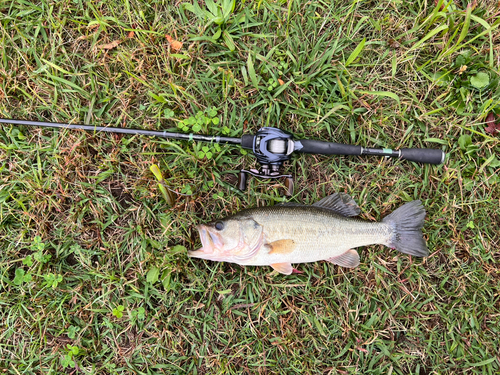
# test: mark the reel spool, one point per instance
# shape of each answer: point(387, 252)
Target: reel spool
point(272, 147)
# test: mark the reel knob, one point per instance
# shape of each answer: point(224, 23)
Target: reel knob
point(289, 186)
point(242, 180)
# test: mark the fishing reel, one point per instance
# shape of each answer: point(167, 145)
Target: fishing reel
point(272, 147)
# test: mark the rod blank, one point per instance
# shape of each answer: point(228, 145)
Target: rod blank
point(108, 129)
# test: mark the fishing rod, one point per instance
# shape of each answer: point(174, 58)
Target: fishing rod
point(271, 146)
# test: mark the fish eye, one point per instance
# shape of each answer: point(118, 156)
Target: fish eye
point(219, 225)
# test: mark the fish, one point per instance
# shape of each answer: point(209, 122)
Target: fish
point(293, 233)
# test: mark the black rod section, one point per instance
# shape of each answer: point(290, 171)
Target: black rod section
point(161, 134)
point(420, 155)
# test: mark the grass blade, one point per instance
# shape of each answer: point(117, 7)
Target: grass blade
point(387, 94)
point(69, 83)
point(167, 194)
point(212, 7)
point(355, 53)
point(251, 71)
point(394, 64)
point(427, 37)
point(465, 28)
point(229, 41)
point(487, 26)
point(434, 14)
point(483, 363)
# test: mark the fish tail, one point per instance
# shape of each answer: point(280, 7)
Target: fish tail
point(407, 222)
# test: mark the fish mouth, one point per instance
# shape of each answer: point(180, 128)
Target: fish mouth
point(209, 243)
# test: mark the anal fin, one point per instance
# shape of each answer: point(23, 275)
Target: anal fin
point(349, 259)
point(284, 268)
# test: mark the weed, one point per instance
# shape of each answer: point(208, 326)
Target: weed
point(200, 121)
point(22, 277)
point(72, 331)
point(118, 311)
point(68, 359)
point(52, 280)
point(473, 87)
point(220, 14)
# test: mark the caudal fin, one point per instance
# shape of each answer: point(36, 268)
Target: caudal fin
point(407, 222)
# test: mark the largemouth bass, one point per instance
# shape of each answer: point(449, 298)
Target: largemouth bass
point(283, 234)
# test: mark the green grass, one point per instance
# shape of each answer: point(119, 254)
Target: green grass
point(377, 74)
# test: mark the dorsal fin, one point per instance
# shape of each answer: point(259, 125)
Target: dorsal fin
point(341, 203)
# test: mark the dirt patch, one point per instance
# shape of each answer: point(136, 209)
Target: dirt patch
point(119, 193)
point(71, 260)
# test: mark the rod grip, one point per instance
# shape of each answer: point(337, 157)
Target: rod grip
point(311, 146)
point(423, 155)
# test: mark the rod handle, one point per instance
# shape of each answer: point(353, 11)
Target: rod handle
point(420, 155)
point(423, 155)
point(312, 146)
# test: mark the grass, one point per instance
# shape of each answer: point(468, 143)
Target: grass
point(88, 208)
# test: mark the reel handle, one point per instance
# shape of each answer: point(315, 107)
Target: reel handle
point(243, 176)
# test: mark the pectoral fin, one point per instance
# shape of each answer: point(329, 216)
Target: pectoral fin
point(285, 268)
point(349, 259)
point(281, 246)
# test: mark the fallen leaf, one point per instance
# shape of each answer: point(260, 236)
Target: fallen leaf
point(175, 44)
point(131, 33)
point(82, 37)
point(394, 43)
point(492, 127)
point(111, 45)
point(281, 81)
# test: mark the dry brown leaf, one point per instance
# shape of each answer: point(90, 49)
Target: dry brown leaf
point(281, 81)
point(175, 44)
point(131, 34)
point(82, 37)
point(111, 45)
point(492, 127)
